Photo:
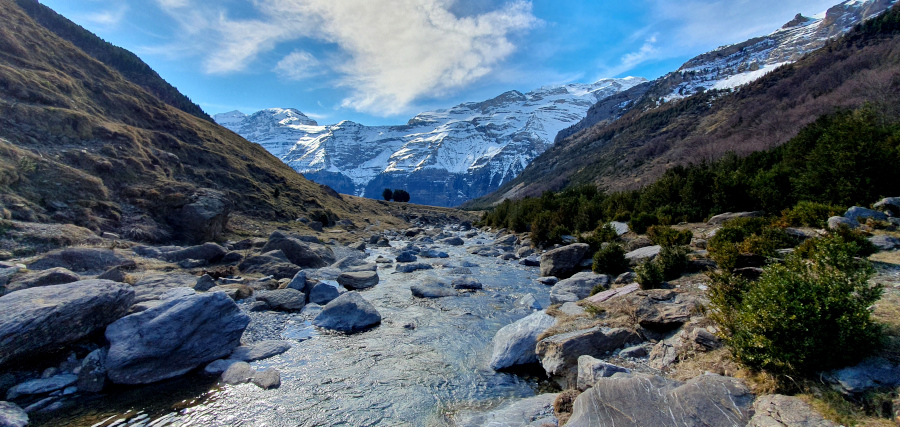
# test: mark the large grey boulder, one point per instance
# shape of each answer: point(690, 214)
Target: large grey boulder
point(591, 369)
point(303, 254)
point(204, 218)
point(92, 377)
point(564, 261)
point(885, 243)
point(283, 299)
point(348, 313)
point(728, 216)
point(12, 415)
point(647, 253)
point(559, 353)
point(323, 293)
point(836, 222)
point(53, 276)
point(238, 373)
point(173, 338)
point(514, 343)
point(453, 241)
point(80, 259)
point(870, 374)
point(507, 240)
point(409, 268)
point(861, 214)
point(663, 309)
point(642, 400)
point(577, 287)
point(209, 252)
point(152, 287)
point(776, 410)
point(44, 318)
point(358, 280)
point(272, 263)
point(889, 205)
point(267, 379)
point(433, 288)
point(260, 350)
point(466, 283)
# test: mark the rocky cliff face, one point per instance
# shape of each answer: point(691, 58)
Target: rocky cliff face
point(442, 157)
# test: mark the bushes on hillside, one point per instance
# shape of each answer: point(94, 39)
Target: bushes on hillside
point(667, 236)
point(804, 316)
point(809, 214)
point(756, 236)
point(610, 260)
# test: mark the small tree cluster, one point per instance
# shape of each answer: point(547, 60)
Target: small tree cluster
point(397, 195)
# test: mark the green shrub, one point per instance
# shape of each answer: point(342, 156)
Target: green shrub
point(664, 235)
point(864, 247)
point(610, 260)
point(804, 316)
point(540, 229)
point(809, 214)
point(641, 221)
point(673, 261)
point(603, 234)
point(649, 275)
point(746, 235)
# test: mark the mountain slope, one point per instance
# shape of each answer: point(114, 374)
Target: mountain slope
point(651, 137)
point(442, 157)
point(82, 144)
point(123, 61)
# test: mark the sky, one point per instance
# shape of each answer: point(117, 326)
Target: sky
point(383, 61)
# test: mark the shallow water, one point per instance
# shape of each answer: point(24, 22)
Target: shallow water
point(427, 360)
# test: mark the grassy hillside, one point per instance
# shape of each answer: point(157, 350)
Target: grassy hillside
point(82, 144)
point(860, 68)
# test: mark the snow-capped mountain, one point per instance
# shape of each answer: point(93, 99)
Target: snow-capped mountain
point(442, 157)
point(735, 65)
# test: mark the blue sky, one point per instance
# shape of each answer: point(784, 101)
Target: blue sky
point(383, 61)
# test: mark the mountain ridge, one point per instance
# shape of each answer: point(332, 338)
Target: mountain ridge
point(442, 157)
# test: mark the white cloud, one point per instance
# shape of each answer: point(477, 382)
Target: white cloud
point(298, 65)
point(392, 52)
point(106, 18)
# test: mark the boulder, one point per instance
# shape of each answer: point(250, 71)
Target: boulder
point(459, 271)
point(283, 299)
point(663, 309)
point(647, 253)
point(614, 293)
point(300, 283)
point(204, 218)
point(80, 259)
point(232, 258)
point(637, 243)
point(409, 268)
point(620, 227)
point(41, 386)
point(836, 222)
point(53, 276)
point(870, 374)
point(205, 283)
point(432, 288)
point(890, 205)
point(260, 350)
point(362, 268)
point(406, 257)
point(44, 318)
point(348, 313)
point(577, 287)
point(218, 367)
point(591, 369)
point(548, 281)
point(348, 262)
point(267, 379)
point(115, 274)
point(728, 216)
point(466, 283)
point(531, 261)
point(643, 400)
point(322, 293)
point(358, 280)
point(177, 293)
point(525, 252)
point(529, 301)
point(777, 410)
point(209, 252)
point(152, 287)
point(514, 343)
point(238, 373)
point(272, 263)
point(12, 415)
point(634, 352)
point(563, 262)
point(559, 353)
point(173, 338)
point(302, 254)
point(92, 377)
point(453, 241)
point(861, 214)
point(433, 253)
point(705, 340)
point(883, 243)
point(571, 309)
point(507, 240)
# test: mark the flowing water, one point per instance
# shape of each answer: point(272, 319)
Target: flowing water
point(427, 360)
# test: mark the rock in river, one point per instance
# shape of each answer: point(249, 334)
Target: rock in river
point(173, 338)
point(37, 319)
point(358, 280)
point(347, 313)
point(514, 343)
point(562, 262)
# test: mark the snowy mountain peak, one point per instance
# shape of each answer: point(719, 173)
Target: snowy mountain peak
point(442, 157)
point(230, 118)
